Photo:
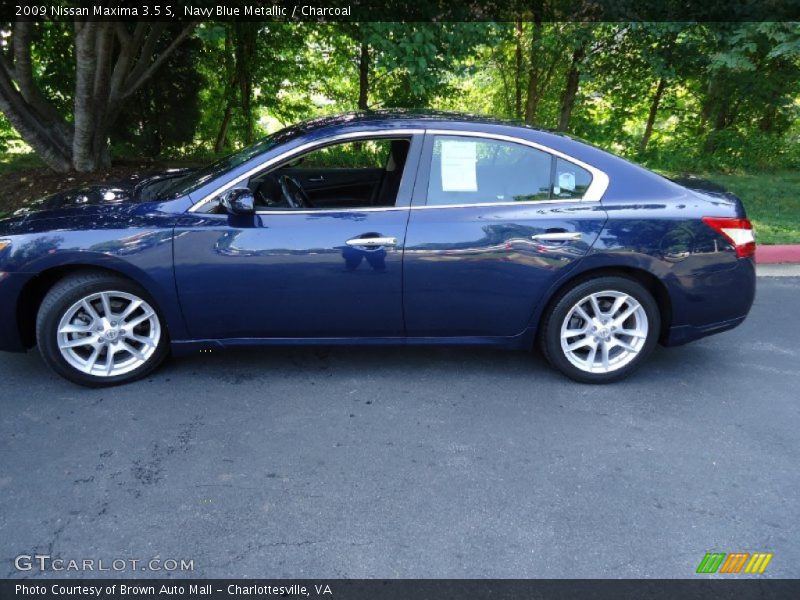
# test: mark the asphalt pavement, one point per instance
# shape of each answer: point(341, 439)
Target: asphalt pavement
point(413, 462)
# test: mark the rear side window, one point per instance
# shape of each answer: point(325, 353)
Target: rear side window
point(571, 181)
point(469, 170)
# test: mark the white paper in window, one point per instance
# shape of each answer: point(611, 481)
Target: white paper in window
point(459, 160)
point(566, 180)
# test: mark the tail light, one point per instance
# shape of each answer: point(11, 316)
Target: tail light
point(739, 232)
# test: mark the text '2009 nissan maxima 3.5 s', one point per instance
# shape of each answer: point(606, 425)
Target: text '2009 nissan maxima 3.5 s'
point(378, 228)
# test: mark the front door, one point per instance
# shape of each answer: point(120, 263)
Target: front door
point(303, 272)
point(498, 223)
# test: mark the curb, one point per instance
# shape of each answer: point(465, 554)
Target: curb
point(778, 270)
point(778, 254)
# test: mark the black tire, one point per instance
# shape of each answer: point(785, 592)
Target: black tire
point(63, 295)
point(560, 307)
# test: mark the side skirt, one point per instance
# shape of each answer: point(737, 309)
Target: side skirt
point(523, 340)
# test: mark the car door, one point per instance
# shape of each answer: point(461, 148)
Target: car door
point(316, 273)
point(494, 223)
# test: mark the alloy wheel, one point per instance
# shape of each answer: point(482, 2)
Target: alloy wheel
point(108, 333)
point(604, 331)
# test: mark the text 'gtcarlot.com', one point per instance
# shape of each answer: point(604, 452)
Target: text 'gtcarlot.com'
point(44, 562)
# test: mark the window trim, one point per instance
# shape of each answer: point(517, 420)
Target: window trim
point(594, 193)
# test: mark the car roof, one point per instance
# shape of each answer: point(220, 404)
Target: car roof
point(409, 118)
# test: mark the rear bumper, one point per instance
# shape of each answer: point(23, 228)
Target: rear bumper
point(683, 334)
point(11, 284)
point(711, 301)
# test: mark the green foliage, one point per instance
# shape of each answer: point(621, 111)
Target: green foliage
point(771, 202)
point(54, 60)
point(718, 96)
point(7, 134)
point(351, 155)
point(162, 116)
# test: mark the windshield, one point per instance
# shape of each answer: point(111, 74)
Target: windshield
point(192, 181)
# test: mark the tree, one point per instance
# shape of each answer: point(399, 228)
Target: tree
point(752, 77)
point(112, 62)
point(402, 64)
point(251, 68)
point(163, 115)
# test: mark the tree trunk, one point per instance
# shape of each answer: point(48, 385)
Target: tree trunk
point(245, 54)
point(722, 118)
point(222, 136)
point(571, 89)
point(84, 113)
point(363, 77)
point(518, 72)
point(532, 103)
point(47, 142)
point(767, 121)
point(111, 64)
point(651, 117)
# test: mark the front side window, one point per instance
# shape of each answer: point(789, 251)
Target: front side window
point(346, 175)
point(469, 170)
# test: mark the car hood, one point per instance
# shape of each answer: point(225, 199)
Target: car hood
point(102, 194)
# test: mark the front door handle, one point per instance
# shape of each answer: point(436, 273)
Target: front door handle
point(316, 179)
point(372, 241)
point(558, 236)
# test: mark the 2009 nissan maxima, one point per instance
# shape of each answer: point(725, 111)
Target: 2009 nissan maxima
point(378, 228)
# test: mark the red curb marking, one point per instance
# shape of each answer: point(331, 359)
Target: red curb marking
point(779, 253)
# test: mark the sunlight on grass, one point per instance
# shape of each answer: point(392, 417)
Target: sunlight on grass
point(13, 161)
point(772, 201)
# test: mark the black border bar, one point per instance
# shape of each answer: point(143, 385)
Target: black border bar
point(403, 10)
point(404, 589)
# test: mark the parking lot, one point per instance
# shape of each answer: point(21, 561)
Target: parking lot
point(414, 462)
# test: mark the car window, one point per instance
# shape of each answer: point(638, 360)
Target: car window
point(364, 173)
point(571, 181)
point(469, 170)
point(368, 154)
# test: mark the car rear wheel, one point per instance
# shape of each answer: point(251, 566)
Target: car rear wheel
point(97, 329)
point(600, 330)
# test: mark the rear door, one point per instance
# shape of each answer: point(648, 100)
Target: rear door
point(494, 223)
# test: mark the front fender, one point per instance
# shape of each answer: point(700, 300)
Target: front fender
point(143, 255)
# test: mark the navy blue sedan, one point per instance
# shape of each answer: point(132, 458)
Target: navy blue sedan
point(378, 228)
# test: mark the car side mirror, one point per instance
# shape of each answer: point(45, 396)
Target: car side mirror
point(239, 201)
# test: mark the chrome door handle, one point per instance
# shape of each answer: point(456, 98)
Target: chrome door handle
point(372, 241)
point(558, 236)
point(316, 179)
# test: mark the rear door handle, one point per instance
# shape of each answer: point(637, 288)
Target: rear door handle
point(558, 236)
point(372, 241)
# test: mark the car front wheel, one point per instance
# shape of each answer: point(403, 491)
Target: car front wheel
point(600, 330)
point(97, 329)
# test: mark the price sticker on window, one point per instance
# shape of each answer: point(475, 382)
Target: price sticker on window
point(566, 180)
point(459, 166)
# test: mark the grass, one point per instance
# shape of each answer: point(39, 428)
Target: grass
point(772, 199)
point(12, 161)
